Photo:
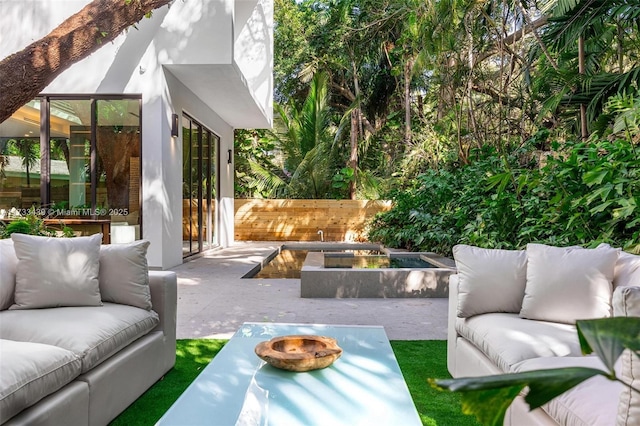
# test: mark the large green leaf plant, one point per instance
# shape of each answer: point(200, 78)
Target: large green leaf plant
point(489, 397)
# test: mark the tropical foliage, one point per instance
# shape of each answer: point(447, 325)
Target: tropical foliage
point(585, 193)
point(487, 123)
point(466, 73)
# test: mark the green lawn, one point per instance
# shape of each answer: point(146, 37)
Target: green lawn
point(418, 359)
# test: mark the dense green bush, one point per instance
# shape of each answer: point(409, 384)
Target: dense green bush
point(31, 224)
point(584, 193)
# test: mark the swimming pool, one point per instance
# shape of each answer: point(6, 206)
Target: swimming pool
point(287, 261)
point(344, 270)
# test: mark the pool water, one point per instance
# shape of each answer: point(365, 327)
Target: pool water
point(385, 262)
point(288, 263)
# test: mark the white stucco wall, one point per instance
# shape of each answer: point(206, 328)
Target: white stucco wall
point(253, 49)
point(210, 58)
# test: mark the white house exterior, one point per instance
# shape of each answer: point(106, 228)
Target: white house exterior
point(207, 61)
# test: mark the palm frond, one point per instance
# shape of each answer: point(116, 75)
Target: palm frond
point(266, 181)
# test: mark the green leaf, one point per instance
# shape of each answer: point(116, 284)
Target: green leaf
point(602, 193)
point(600, 207)
point(594, 177)
point(487, 405)
point(489, 397)
point(490, 406)
point(608, 337)
point(548, 384)
point(627, 209)
point(501, 180)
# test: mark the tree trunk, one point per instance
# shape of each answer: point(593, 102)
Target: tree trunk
point(584, 130)
point(116, 150)
point(512, 38)
point(27, 72)
point(356, 131)
point(353, 158)
point(408, 71)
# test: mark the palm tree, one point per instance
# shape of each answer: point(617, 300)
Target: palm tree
point(595, 43)
point(305, 137)
point(27, 150)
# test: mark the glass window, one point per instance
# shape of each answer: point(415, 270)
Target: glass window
point(20, 160)
point(91, 161)
point(118, 146)
point(70, 154)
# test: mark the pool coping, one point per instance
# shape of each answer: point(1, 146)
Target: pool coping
point(316, 281)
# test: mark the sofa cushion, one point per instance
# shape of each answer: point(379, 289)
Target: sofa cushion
point(627, 271)
point(567, 284)
point(592, 402)
point(626, 302)
point(56, 271)
point(489, 280)
point(31, 371)
point(8, 266)
point(507, 339)
point(92, 333)
point(124, 274)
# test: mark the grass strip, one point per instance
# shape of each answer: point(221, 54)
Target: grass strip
point(419, 360)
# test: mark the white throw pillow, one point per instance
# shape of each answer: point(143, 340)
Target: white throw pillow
point(626, 302)
point(489, 280)
point(56, 272)
point(124, 274)
point(8, 265)
point(627, 271)
point(565, 284)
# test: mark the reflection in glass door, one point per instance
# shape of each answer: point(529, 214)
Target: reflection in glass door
point(199, 183)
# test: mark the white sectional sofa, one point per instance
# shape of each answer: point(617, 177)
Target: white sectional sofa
point(512, 311)
point(84, 329)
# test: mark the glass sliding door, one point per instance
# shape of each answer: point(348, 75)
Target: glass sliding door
point(199, 183)
point(207, 233)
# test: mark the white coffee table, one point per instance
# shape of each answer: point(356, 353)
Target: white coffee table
point(363, 387)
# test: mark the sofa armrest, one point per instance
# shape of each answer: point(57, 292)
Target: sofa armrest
point(452, 316)
point(164, 300)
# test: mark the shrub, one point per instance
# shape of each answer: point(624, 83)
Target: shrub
point(16, 227)
point(33, 225)
point(586, 193)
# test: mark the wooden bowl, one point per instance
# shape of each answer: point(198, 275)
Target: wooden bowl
point(299, 352)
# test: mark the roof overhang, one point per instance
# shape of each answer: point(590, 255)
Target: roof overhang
point(223, 88)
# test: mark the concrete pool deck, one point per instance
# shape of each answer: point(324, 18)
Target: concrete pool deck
point(213, 300)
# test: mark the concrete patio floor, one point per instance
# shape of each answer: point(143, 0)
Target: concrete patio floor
point(213, 300)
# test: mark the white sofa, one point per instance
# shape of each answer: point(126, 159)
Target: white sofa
point(512, 311)
point(79, 344)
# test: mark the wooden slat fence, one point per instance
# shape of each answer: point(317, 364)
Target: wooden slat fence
point(300, 220)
